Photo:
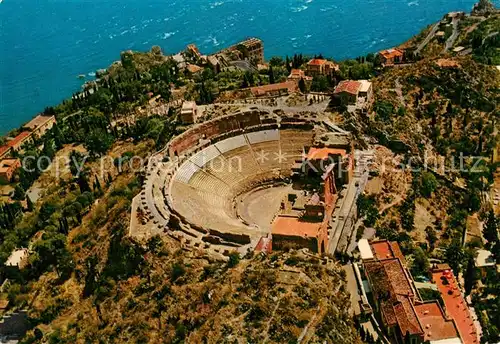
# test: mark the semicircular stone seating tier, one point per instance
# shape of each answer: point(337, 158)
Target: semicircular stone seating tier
point(203, 189)
point(152, 194)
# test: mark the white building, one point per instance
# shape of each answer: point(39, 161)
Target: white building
point(18, 258)
point(189, 112)
point(364, 249)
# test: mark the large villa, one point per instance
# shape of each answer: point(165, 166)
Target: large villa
point(387, 290)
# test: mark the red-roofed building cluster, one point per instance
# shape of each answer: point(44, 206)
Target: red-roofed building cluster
point(35, 128)
point(32, 130)
point(8, 168)
point(350, 92)
point(15, 144)
point(279, 89)
point(298, 74)
point(304, 216)
point(317, 67)
point(455, 304)
point(391, 57)
point(405, 317)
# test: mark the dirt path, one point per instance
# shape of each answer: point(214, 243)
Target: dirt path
point(399, 92)
point(394, 203)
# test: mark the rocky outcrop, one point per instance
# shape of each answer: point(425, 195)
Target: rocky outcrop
point(483, 8)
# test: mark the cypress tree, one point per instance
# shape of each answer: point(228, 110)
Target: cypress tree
point(490, 230)
point(362, 333)
point(470, 275)
point(97, 184)
point(83, 183)
point(271, 75)
point(302, 85)
point(66, 224)
point(110, 179)
point(29, 204)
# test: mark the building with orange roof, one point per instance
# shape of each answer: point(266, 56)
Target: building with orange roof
point(21, 139)
point(298, 74)
point(405, 317)
point(385, 249)
point(391, 56)
point(304, 217)
point(274, 90)
point(324, 153)
point(336, 161)
point(8, 168)
point(348, 86)
point(455, 304)
point(317, 67)
point(5, 150)
point(251, 49)
point(40, 125)
point(349, 92)
point(311, 235)
point(15, 144)
point(193, 69)
point(436, 325)
point(394, 297)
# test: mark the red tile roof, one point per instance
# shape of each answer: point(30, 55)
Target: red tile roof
point(388, 313)
point(397, 277)
point(396, 251)
point(384, 249)
point(4, 149)
point(434, 322)
point(316, 62)
point(290, 86)
point(19, 138)
point(391, 53)
point(323, 153)
point(455, 305)
point(407, 318)
point(14, 142)
point(392, 287)
point(349, 86)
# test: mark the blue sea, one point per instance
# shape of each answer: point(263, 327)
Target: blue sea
point(46, 44)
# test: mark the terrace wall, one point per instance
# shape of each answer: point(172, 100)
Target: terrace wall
point(211, 129)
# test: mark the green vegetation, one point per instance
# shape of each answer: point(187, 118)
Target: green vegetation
point(444, 111)
point(367, 209)
point(87, 281)
point(428, 184)
point(431, 295)
point(420, 265)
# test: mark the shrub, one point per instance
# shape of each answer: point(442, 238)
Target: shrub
point(177, 271)
point(428, 184)
point(234, 259)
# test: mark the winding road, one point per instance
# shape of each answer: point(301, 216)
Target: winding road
point(427, 39)
point(451, 40)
